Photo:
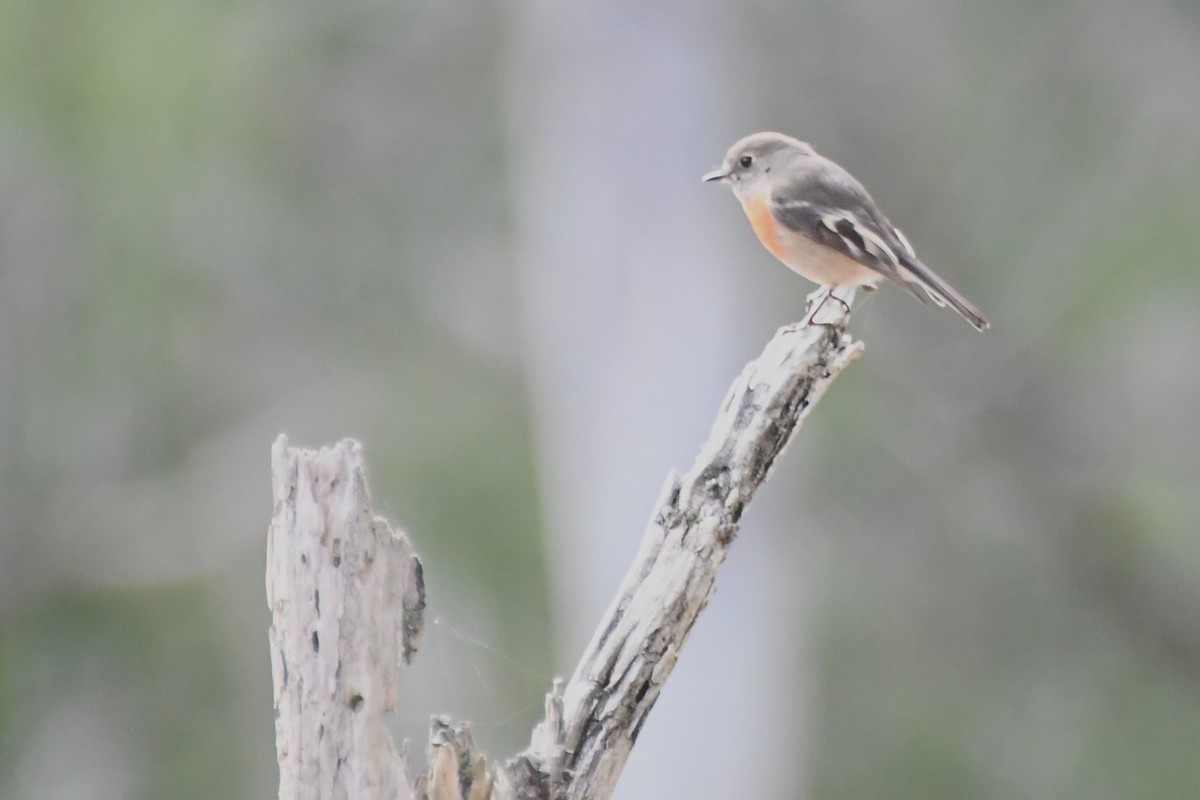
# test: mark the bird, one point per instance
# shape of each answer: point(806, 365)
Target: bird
point(817, 219)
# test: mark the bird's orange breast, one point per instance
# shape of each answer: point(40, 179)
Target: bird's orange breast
point(765, 227)
point(818, 262)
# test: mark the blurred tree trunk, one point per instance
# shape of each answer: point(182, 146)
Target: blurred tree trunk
point(615, 110)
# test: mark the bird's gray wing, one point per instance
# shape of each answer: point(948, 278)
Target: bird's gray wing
point(834, 210)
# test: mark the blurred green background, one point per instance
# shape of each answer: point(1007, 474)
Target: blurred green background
point(473, 236)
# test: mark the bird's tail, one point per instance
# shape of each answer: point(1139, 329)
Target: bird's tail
point(942, 293)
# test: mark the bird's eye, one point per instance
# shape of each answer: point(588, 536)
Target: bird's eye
point(746, 161)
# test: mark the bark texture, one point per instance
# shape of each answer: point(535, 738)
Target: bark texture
point(347, 601)
point(593, 721)
point(347, 598)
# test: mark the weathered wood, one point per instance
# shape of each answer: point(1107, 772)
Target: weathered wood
point(347, 600)
point(593, 722)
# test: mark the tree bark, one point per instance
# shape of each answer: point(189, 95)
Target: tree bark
point(347, 598)
point(583, 747)
point(347, 601)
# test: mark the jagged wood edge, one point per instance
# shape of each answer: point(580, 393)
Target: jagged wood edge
point(593, 721)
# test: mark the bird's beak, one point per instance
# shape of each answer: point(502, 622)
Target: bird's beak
point(716, 175)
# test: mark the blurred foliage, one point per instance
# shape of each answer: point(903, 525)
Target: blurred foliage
point(223, 220)
point(210, 234)
point(143, 671)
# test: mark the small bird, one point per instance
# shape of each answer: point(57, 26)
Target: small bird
point(818, 220)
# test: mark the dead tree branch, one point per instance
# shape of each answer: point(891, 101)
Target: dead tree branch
point(347, 599)
point(588, 734)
